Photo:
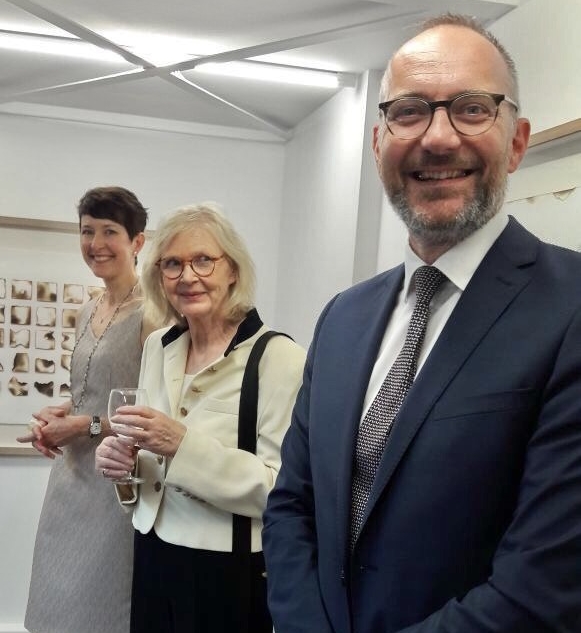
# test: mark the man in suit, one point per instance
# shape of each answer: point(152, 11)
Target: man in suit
point(473, 520)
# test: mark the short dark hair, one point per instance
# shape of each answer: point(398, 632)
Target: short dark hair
point(117, 204)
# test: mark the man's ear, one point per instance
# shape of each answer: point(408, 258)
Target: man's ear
point(375, 143)
point(520, 142)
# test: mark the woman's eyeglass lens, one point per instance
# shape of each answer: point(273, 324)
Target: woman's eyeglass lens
point(469, 114)
point(172, 267)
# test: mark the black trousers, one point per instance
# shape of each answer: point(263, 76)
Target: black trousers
point(182, 590)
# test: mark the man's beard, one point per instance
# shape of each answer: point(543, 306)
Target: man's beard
point(485, 204)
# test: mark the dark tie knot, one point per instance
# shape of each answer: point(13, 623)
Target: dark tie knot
point(428, 280)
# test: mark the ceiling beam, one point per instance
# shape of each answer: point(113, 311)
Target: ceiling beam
point(291, 43)
point(185, 84)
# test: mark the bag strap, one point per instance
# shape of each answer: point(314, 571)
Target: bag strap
point(241, 525)
point(247, 412)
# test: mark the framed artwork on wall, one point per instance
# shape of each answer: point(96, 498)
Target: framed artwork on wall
point(40, 295)
point(37, 338)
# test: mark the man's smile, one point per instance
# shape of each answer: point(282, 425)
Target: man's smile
point(426, 175)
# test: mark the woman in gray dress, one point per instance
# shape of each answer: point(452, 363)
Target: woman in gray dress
point(81, 573)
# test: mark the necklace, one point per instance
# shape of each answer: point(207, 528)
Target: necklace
point(77, 405)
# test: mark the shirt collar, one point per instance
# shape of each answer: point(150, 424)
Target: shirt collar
point(460, 262)
point(248, 328)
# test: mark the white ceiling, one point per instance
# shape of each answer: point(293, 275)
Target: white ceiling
point(347, 36)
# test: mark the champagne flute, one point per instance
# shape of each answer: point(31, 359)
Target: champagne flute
point(120, 397)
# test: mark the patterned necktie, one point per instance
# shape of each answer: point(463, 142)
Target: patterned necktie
point(377, 423)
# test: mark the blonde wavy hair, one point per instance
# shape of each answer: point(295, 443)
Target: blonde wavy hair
point(206, 215)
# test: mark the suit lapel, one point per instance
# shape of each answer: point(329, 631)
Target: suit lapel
point(361, 341)
point(502, 275)
point(175, 355)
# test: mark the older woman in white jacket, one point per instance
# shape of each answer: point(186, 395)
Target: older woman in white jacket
point(196, 478)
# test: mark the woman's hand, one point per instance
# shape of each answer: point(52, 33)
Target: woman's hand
point(114, 457)
point(40, 437)
point(151, 429)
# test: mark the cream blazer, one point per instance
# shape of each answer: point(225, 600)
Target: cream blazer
point(189, 499)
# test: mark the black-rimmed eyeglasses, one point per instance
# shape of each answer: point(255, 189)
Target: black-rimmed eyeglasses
point(469, 114)
point(173, 267)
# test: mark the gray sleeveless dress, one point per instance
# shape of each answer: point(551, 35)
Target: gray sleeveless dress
point(83, 555)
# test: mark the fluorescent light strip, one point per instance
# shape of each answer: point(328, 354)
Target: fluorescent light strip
point(272, 72)
point(60, 46)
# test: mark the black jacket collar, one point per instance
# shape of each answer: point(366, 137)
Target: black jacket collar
point(248, 328)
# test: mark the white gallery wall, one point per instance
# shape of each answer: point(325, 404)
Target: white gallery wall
point(312, 211)
point(21, 494)
point(545, 196)
point(321, 206)
point(543, 38)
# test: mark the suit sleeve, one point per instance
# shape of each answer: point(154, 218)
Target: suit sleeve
point(535, 581)
point(289, 535)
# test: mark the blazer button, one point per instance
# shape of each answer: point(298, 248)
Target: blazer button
point(157, 486)
point(183, 411)
point(212, 369)
point(196, 389)
point(160, 460)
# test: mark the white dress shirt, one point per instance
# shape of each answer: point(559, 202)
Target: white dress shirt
point(459, 263)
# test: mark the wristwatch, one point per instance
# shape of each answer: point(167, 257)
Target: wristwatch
point(95, 426)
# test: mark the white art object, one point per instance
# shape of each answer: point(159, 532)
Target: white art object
point(37, 337)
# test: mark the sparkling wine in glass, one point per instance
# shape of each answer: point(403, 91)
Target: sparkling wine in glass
point(118, 398)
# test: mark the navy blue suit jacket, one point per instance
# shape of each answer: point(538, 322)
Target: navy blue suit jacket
point(474, 523)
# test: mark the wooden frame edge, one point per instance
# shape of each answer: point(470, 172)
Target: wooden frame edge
point(53, 226)
point(19, 451)
point(9, 445)
point(34, 224)
point(555, 133)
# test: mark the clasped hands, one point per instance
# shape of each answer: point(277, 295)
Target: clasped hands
point(49, 430)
